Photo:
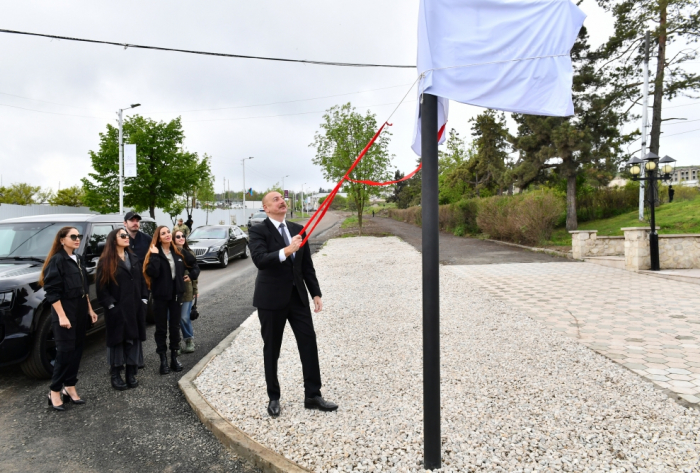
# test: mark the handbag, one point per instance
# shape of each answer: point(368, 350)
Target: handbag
point(194, 313)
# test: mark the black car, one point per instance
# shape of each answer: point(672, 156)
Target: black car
point(216, 244)
point(25, 316)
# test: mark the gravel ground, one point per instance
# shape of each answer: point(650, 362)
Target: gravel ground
point(516, 396)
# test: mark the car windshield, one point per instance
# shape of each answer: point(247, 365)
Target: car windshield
point(208, 232)
point(260, 215)
point(22, 240)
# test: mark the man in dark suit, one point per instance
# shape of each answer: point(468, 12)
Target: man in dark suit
point(285, 270)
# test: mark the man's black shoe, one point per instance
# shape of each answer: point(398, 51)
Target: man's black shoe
point(319, 403)
point(274, 408)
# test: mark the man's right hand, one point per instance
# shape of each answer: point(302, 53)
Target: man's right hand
point(293, 246)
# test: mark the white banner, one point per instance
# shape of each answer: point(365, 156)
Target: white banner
point(129, 160)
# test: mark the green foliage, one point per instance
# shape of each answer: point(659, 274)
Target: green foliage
point(669, 21)
point(20, 194)
point(343, 135)
point(339, 202)
point(70, 196)
point(164, 169)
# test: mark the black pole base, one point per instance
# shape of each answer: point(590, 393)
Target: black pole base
point(654, 250)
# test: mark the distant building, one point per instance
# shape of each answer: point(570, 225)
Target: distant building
point(686, 176)
point(618, 182)
point(312, 200)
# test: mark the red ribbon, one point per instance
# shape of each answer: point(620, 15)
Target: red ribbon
point(318, 215)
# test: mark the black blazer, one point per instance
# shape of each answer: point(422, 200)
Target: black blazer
point(67, 281)
point(162, 285)
point(275, 281)
point(127, 319)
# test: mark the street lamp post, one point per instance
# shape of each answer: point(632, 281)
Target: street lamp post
point(244, 189)
point(121, 158)
point(653, 174)
point(302, 199)
point(283, 185)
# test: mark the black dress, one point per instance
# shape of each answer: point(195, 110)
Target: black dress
point(66, 280)
point(124, 315)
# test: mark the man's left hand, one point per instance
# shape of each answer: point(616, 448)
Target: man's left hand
point(318, 304)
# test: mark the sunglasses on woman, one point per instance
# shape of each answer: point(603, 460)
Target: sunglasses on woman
point(75, 237)
point(179, 237)
point(123, 236)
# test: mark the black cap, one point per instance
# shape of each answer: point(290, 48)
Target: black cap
point(130, 215)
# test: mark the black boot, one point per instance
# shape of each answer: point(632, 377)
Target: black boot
point(164, 364)
point(131, 376)
point(174, 364)
point(117, 381)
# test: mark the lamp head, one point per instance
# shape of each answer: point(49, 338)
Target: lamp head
point(667, 166)
point(134, 105)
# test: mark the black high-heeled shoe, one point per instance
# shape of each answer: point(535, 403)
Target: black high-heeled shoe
point(67, 398)
point(56, 408)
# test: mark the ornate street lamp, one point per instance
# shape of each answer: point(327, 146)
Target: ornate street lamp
point(653, 173)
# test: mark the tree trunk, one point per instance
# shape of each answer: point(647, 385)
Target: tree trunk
point(359, 218)
point(152, 211)
point(659, 82)
point(571, 220)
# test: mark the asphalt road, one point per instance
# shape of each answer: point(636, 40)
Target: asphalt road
point(460, 250)
point(150, 428)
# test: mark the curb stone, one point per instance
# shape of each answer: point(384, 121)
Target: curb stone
point(228, 434)
point(536, 250)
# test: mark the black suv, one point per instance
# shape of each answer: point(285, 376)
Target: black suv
point(25, 316)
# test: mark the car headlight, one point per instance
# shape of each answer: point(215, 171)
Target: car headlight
point(6, 299)
point(216, 249)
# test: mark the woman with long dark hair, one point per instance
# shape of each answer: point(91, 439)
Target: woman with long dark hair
point(164, 271)
point(120, 290)
point(191, 270)
point(65, 281)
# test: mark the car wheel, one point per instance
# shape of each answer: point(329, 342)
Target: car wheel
point(223, 259)
point(246, 252)
point(43, 355)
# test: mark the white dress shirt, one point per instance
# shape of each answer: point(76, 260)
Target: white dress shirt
point(286, 230)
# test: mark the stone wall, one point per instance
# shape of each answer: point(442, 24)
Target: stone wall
point(587, 243)
point(679, 251)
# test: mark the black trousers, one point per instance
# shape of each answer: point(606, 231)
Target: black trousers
point(273, 322)
point(65, 369)
point(160, 312)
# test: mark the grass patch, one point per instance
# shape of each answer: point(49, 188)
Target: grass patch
point(676, 217)
point(350, 222)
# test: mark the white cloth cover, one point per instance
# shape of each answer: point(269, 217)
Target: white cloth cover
point(510, 55)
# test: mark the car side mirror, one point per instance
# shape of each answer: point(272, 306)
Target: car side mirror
point(100, 248)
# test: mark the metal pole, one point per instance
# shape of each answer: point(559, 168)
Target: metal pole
point(245, 214)
point(431, 283)
point(653, 236)
point(645, 106)
point(121, 167)
point(302, 200)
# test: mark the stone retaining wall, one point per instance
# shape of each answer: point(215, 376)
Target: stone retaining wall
point(587, 243)
point(675, 251)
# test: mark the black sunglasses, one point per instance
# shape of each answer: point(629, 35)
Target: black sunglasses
point(75, 237)
point(180, 237)
point(123, 236)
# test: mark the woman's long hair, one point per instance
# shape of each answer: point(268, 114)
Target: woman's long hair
point(157, 243)
point(184, 246)
point(55, 248)
point(109, 260)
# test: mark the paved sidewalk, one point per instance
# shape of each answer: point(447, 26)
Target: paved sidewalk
point(650, 325)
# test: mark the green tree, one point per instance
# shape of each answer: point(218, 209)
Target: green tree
point(164, 169)
point(489, 163)
point(569, 146)
point(398, 187)
point(344, 134)
point(207, 197)
point(70, 197)
point(674, 21)
point(20, 193)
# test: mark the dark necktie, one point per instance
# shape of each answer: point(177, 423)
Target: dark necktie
point(284, 236)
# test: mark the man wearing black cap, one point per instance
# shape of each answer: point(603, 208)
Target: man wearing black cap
point(139, 242)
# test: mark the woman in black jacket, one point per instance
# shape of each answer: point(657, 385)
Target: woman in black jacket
point(65, 281)
point(164, 271)
point(121, 291)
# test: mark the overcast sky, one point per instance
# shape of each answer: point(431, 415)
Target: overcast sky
point(88, 83)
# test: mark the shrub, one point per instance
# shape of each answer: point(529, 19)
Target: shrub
point(682, 193)
point(496, 217)
point(606, 202)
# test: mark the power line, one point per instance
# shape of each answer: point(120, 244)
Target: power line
point(50, 113)
point(681, 133)
point(207, 53)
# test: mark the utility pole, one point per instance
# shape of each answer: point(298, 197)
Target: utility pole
point(121, 158)
point(645, 107)
point(244, 189)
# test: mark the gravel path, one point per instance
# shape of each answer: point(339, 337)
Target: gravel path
point(516, 396)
